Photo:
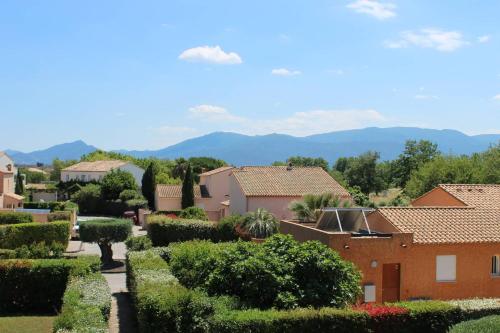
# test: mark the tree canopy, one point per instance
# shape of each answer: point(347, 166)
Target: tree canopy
point(115, 183)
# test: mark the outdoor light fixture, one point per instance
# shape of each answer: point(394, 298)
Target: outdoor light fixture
point(374, 264)
point(346, 247)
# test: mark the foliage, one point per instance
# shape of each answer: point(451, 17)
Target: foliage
point(149, 184)
point(285, 274)
point(358, 196)
point(127, 195)
point(259, 224)
point(88, 198)
point(413, 157)
point(115, 182)
point(187, 199)
point(198, 165)
point(477, 307)
point(163, 230)
point(19, 188)
point(14, 236)
point(59, 216)
point(53, 206)
point(310, 208)
point(489, 324)
point(301, 161)
point(15, 217)
point(138, 243)
point(362, 171)
point(104, 233)
point(57, 166)
point(40, 251)
point(386, 318)
point(194, 213)
point(33, 177)
point(86, 305)
point(227, 227)
point(7, 254)
point(37, 285)
point(431, 316)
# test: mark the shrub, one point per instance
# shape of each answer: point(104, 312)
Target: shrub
point(227, 227)
point(104, 233)
point(163, 230)
point(52, 205)
point(86, 305)
point(489, 324)
point(115, 183)
point(477, 308)
point(15, 217)
point(386, 318)
point(40, 251)
point(7, 254)
point(194, 213)
point(259, 224)
point(136, 204)
point(88, 198)
point(138, 243)
point(431, 316)
point(126, 195)
point(37, 285)
point(59, 216)
point(17, 235)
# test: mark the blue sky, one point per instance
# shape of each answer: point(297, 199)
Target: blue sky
point(147, 74)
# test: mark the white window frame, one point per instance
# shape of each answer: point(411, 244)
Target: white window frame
point(446, 268)
point(495, 265)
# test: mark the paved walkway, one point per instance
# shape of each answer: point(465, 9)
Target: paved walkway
point(122, 316)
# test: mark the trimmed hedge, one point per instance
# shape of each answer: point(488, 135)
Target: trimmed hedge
point(16, 235)
point(477, 307)
point(431, 316)
point(38, 285)
point(163, 230)
point(86, 305)
point(138, 243)
point(15, 217)
point(489, 324)
point(59, 216)
point(52, 205)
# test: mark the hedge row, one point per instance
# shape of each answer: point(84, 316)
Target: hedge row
point(163, 231)
point(489, 324)
point(164, 305)
point(86, 305)
point(15, 217)
point(38, 285)
point(16, 235)
point(63, 215)
point(52, 205)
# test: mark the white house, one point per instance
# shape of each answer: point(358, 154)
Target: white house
point(95, 171)
point(8, 198)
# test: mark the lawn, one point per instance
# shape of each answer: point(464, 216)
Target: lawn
point(42, 324)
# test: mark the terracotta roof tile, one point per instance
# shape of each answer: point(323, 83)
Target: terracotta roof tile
point(446, 224)
point(174, 191)
point(215, 171)
point(97, 166)
point(477, 195)
point(280, 181)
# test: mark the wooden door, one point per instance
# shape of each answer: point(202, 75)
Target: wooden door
point(390, 282)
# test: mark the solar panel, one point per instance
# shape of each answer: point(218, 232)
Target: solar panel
point(351, 220)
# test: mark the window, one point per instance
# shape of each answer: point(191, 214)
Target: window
point(495, 265)
point(446, 268)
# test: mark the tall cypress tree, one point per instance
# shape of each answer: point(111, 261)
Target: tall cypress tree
point(19, 183)
point(187, 188)
point(149, 184)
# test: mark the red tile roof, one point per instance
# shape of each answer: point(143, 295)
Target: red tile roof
point(215, 171)
point(477, 195)
point(174, 191)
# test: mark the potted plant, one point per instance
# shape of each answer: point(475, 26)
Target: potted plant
point(259, 225)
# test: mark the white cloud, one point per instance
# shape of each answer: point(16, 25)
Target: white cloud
point(426, 97)
point(374, 8)
point(497, 97)
point(444, 41)
point(210, 54)
point(484, 39)
point(285, 72)
point(213, 113)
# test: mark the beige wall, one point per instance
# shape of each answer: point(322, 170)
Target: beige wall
point(4, 161)
point(89, 176)
point(237, 198)
point(278, 206)
point(218, 187)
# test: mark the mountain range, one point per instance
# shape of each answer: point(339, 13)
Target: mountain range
point(239, 149)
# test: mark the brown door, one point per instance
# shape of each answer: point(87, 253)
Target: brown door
point(390, 282)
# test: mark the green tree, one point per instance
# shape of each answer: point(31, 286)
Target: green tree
point(301, 161)
point(188, 189)
point(260, 224)
point(362, 171)
point(149, 184)
point(88, 198)
point(309, 209)
point(341, 164)
point(19, 189)
point(413, 157)
point(116, 182)
point(57, 166)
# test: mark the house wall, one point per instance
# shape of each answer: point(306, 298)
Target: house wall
point(7, 184)
point(135, 171)
point(218, 187)
point(45, 196)
point(278, 206)
point(77, 175)
point(4, 161)
point(238, 201)
point(437, 197)
point(417, 262)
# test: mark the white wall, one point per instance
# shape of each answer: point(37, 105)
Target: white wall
point(4, 161)
point(135, 171)
point(98, 175)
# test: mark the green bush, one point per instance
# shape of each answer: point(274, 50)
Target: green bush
point(431, 316)
point(86, 305)
point(194, 213)
point(127, 195)
point(115, 182)
point(16, 235)
point(138, 243)
point(7, 254)
point(104, 233)
point(227, 227)
point(88, 198)
point(40, 250)
point(163, 230)
point(53, 206)
point(37, 285)
point(489, 324)
point(15, 217)
point(59, 216)
point(477, 307)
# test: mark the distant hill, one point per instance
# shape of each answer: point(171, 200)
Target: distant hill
point(239, 149)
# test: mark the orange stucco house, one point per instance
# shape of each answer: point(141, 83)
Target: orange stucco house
point(445, 246)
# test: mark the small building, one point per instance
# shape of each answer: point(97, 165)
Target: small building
point(95, 171)
point(8, 198)
point(42, 192)
point(211, 191)
point(445, 246)
point(275, 187)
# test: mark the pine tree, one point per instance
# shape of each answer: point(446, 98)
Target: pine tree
point(19, 183)
point(149, 184)
point(187, 189)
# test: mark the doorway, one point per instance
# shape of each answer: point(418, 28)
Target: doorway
point(391, 275)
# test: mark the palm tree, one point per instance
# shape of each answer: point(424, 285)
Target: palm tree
point(260, 224)
point(309, 210)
